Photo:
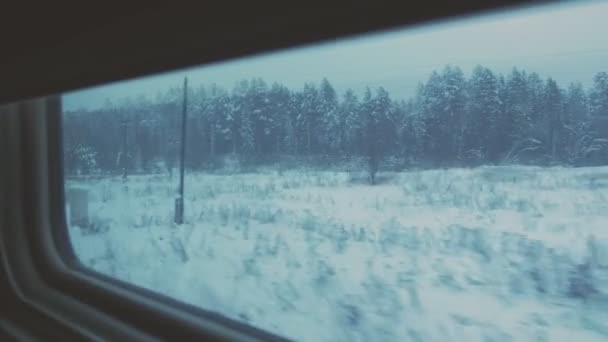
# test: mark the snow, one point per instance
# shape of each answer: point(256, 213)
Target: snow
point(485, 254)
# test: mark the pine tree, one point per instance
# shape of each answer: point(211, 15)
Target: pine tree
point(370, 134)
point(308, 118)
point(484, 138)
point(291, 135)
point(258, 105)
point(553, 113)
point(237, 113)
point(576, 124)
point(331, 121)
point(598, 99)
point(375, 111)
point(599, 95)
point(536, 101)
point(279, 97)
point(216, 114)
point(351, 122)
point(518, 122)
point(455, 102)
point(432, 106)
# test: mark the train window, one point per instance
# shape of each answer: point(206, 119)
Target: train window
point(447, 182)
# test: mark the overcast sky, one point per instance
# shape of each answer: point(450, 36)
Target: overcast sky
point(568, 42)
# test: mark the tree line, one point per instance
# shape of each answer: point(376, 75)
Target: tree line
point(451, 121)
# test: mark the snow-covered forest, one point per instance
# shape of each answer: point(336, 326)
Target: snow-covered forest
point(474, 211)
point(453, 121)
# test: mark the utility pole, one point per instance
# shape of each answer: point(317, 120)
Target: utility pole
point(179, 202)
point(123, 158)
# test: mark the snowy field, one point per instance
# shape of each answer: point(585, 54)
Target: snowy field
point(486, 254)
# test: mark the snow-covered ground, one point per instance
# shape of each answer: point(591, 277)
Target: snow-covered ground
point(486, 254)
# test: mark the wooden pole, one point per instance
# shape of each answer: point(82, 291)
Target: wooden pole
point(123, 159)
point(179, 202)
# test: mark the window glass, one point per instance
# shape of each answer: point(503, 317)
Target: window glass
point(447, 182)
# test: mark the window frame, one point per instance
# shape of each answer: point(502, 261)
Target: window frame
point(47, 282)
